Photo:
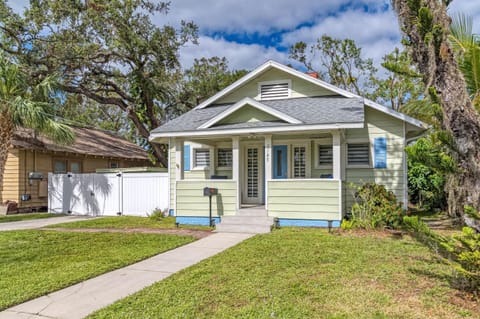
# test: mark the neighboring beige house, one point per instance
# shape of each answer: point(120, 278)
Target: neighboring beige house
point(33, 156)
point(285, 143)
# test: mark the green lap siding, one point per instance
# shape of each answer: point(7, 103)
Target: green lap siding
point(379, 125)
point(304, 199)
point(191, 202)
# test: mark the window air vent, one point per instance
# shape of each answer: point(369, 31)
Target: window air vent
point(274, 91)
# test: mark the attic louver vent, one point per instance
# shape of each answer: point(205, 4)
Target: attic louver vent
point(274, 91)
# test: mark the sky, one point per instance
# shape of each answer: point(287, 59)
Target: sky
point(250, 32)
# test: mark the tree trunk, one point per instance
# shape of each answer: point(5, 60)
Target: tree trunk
point(426, 26)
point(6, 133)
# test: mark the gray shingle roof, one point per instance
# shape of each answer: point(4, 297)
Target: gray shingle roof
point(309, 110)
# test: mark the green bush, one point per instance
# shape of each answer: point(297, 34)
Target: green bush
point(462, 252)
point(429, 164)
point(376, 207)
point(157, 214)
point(465, 248)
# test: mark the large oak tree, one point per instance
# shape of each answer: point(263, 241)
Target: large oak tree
point(109, 51)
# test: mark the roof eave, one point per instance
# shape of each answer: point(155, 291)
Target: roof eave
point(159, 137)
point(256, 104)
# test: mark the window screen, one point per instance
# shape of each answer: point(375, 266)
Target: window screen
point(60, 166)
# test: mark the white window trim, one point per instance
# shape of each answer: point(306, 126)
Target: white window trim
point(223, 168)
point(317, 143)
point(308, 170)
point(288, 81)
point(370, 155)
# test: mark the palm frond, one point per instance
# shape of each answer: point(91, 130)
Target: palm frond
point(461, 32)
point(470, 67)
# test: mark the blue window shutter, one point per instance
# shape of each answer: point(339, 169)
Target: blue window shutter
point(186, 157)
point(380, 150)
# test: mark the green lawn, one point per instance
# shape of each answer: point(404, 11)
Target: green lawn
point(127, 222)
point(305, 273)
point(33, 262)
point(19, 217)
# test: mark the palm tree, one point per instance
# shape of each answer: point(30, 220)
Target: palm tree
point(467, 49)
point(21, 105)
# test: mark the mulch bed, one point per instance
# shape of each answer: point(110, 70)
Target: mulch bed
point(180, 232)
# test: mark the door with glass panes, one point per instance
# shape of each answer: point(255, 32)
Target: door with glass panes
point(252, 192)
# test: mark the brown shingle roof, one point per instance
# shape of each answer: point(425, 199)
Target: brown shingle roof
point(87, 142)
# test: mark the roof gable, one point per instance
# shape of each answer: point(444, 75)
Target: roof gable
point(234, 90)
point(298, 87)
point(249, 110)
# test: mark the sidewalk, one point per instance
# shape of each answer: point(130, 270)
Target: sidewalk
point(38, 223)
point(86, 297)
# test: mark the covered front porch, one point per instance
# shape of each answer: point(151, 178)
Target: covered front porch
point(296, 178)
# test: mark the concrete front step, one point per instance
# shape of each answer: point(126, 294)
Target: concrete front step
point(256, 220)
point(245, 224)
point(251, 212)
point(248, 229)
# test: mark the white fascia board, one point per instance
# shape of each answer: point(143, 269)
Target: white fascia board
point(249, 130)
point(255, 104)
point(318, 82)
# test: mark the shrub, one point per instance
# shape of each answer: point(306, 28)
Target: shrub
point(376, 207)
point(157, 214)
point(465, 249)
point(462, 252)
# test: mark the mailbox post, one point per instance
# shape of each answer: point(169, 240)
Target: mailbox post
point(209, 191)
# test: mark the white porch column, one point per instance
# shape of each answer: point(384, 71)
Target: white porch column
point(339, 166)
point(236, 166)
point(179, 159)
point(337, 155)
point(212, 161)
point(268, 165)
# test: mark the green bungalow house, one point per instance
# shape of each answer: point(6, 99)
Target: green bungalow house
point(281, 144)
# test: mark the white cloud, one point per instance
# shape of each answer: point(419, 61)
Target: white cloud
point(376, 33)
point(468, 7)
point(249, 15)
point(370, 23)
point(240, 56)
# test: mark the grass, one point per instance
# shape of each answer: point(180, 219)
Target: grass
point(35, 262)
point(20, 217)
point(127, 222)
point(305, 273)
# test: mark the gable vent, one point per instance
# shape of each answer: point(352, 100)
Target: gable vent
point(270, 91)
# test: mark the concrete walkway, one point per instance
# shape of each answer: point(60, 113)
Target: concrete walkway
point(86, 297)
point(38, 223)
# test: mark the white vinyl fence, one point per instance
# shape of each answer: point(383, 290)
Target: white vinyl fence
point(134, 194)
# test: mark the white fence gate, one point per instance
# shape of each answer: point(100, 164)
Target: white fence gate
point(134, 194)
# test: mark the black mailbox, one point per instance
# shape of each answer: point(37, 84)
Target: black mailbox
point(210, 191)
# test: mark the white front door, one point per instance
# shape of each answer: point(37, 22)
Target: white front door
point(253, 175)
